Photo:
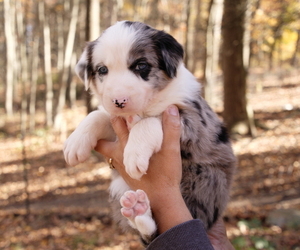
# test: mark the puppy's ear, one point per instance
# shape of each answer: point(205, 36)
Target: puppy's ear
point(171, 53)
point(84, 68)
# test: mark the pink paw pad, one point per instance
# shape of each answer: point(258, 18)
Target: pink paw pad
point(134, 203)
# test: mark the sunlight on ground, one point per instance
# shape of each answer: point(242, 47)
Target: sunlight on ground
point(69, 205)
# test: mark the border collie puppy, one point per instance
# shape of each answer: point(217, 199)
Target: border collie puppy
point(136, 72)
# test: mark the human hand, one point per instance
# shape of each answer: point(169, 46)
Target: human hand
point(165, 168)
point(162, 181)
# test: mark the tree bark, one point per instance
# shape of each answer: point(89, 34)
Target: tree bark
point(47, 64)
point(9, 14)
point(186, 38)
point(92, 31)
point(23, 63)
point(197, 51)
point(295, 60)
point(235, 102)
point(213, 41)
point(33, 85)
point(66, 65)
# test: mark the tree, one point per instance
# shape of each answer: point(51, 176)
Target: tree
point(47, 63)
point(213, 39)
point(92, 31)
point(9, 27)
point(294, 61)
point(67, 63)
point(234, 72)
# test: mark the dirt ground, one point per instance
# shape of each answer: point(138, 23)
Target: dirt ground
point(45, 204)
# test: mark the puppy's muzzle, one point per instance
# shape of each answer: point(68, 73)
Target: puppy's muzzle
point(120, 103)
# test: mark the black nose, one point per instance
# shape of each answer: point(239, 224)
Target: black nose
point(120, 103)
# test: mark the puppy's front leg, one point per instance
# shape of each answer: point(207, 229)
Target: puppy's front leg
point(94, 127)
point(145, 138)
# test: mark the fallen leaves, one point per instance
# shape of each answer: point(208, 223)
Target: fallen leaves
point(69, 207)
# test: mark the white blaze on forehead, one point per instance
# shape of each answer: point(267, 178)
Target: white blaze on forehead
point(113, 46)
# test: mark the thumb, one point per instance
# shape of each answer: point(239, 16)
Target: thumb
point(110, 149)
point(120, 127)
point(171, 125)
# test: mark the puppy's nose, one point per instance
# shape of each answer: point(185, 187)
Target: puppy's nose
point(121, 102)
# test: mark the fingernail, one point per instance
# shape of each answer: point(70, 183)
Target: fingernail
point(173, 110)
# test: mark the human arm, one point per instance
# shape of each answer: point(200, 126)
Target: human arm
point(162, 185)
point(162, 181)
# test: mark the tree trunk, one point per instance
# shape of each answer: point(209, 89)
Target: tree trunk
point(33, 85)
point(9, 14)
point(92, 31)
point(277, 33)
point(295, 60)
point(21, 34)
point(60, 41)
point(213, 39)
point(235, 102)
point(67, 63)
point(186, 38)
point(197, 51)
point(47, 64)
point(73, 82)
point(94, 25)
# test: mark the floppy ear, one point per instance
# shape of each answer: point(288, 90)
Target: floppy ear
point(171, 52)
point(84, 67)
point(81, 68)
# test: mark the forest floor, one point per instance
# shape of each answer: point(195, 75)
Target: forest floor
point(44, 204)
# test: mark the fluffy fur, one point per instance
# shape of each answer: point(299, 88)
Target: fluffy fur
point(137, 72)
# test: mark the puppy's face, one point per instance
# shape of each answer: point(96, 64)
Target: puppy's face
point(128, 64)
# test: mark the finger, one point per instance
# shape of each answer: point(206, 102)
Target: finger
point(111, 150)
point(106, 148)
point(171, 126)
point(120, 127)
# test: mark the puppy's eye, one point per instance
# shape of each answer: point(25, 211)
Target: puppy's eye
point(141, 66)
point(103, 70)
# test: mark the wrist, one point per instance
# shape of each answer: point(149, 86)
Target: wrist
point(169, 210)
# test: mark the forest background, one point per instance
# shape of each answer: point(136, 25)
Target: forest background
point(244, 52)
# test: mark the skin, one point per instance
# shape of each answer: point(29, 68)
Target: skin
point(162, 181)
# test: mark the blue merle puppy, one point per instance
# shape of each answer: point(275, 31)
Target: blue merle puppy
point(136, 72)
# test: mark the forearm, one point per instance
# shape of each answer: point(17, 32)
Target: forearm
point(169, 209)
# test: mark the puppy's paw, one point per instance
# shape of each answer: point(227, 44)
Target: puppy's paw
point(136, 208)
point(78, 146)
point(145, 138)
point(136, 159)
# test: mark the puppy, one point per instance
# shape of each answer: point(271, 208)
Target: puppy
point(137, 72)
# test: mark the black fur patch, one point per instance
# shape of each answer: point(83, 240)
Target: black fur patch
point(198, 169)
point(194, 206)
point(222, 136)
point(186, 155)
point(89, 67)
point(142, 72)
point(193, 186)
point(216, 214)
point(198, 107)
point(170, 52)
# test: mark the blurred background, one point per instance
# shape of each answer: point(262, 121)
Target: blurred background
point(244, 52)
